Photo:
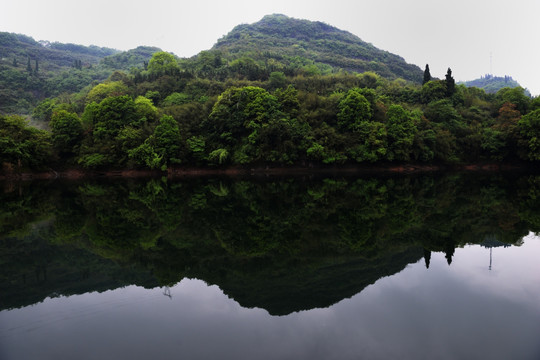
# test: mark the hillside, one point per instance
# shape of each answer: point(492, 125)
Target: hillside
point(491, 84)
point(31, 71)
point(245, 104)
point(287, 40)
point(51, 56)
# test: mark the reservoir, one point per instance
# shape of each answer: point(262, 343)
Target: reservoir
point(387, 267)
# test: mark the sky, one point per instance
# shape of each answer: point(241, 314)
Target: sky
point(472, 37)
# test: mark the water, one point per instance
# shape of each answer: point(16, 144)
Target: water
point(372, 268)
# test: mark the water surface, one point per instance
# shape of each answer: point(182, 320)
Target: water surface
point(375, 268)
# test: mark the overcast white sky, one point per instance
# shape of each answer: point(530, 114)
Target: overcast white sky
point(460, 34)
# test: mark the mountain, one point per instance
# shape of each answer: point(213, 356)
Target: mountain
point(491, 84)
point(51, 56)
point(31, 71)
point(132, 58)
point(284, 40)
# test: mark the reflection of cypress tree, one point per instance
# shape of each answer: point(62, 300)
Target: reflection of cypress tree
point(427, 257)
point(449, 252)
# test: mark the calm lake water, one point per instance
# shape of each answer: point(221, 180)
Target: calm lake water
point(423, 267)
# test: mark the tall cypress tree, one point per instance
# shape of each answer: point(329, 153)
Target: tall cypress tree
point(427, 75)
point(37, 67)
point(29, 66)
point(450, 83)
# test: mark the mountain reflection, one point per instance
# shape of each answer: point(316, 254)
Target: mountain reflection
point(284, 245)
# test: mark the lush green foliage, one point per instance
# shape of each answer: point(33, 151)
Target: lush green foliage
point(235, 106)
point(32, 71)
point(22, 146)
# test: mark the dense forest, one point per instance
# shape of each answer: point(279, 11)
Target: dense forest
point(278, 92)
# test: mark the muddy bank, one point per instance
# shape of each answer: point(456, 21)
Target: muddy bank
point(179, 172)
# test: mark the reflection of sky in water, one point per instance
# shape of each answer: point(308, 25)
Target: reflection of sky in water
point(462, 311)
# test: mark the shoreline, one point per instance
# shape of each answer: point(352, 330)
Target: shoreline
point(233, 171)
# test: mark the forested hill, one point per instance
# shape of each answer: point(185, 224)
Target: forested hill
point(31, 71)
point(286, 40)
point(491, 84)
point(50, 56)
point(263, 96)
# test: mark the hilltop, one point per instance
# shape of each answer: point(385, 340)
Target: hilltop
point(286, 40)
point(491, 84)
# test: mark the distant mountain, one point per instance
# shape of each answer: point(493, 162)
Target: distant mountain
point(286, 39)
point(491, 84)
point(131, 58)
point(51, 56)
point(31, 71)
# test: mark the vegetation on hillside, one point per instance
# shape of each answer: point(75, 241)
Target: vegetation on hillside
point(291, 45)
point(233, 105)
point(32, 71)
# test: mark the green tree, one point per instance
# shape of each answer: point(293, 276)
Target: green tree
point(108, 118)
point(145, 109)
point(432, 91)
point(22, 145)
point(67, 131)
point(44, 110)
point(514, 96)
point(427, 75)
point(288, 98)
point(353, 110)
point(162, 148)
point(529, 129)
point(401, 131)
point(236, 119)
point(163, 63)
point(372, 143)
point(167, 140)
point(176, 99)
point(493, 143)
point(246, 68)
point(277, 80)
point(450, 83)
point(106, 89)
